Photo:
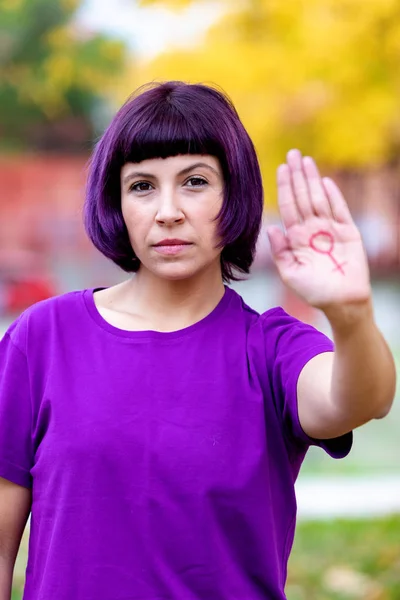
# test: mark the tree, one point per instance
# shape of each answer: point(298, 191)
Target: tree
point(321, 75)
point(52, 75)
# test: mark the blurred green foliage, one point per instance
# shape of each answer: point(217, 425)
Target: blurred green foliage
point(346, 560)
point(52, 75)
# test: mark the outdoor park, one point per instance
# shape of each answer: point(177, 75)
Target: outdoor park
point(322, 76)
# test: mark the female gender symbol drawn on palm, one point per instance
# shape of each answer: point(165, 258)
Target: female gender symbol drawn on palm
point(317, 222)
point(324, 243)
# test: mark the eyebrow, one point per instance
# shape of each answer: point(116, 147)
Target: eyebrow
point(184, 171)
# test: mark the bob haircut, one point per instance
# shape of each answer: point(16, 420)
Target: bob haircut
point(170, 119)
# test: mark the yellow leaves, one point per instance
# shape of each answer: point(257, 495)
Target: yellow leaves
point(92, 79)
point(59, 38)
point(321, 75)
point(112, 50)
point(68, 65)
point(354, 130)
point(30, 88)
point(70, 5)
point(11, 5)
point(59, 69)
point(45, 94)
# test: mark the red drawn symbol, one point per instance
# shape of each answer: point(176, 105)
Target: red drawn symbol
point(324, 242)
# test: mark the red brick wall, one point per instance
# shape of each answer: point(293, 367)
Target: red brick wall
point(41, 199)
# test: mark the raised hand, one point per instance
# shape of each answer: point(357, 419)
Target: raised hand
point(320, 254)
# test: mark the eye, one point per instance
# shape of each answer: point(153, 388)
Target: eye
point(140, 186)
point(196, 182)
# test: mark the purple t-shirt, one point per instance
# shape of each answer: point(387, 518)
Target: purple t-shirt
point(162, 465)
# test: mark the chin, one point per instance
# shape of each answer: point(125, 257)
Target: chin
point(176, 270)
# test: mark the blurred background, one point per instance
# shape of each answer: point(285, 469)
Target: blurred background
point(319, 75)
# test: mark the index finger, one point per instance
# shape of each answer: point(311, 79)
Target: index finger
point(286, 200)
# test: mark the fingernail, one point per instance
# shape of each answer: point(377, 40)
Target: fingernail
point(294, 156)
point(282, 171)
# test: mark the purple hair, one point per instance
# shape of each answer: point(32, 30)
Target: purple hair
point(165, 120)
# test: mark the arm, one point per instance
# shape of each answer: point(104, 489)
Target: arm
point(321, 257)
point(340, 391)
point(15, 504)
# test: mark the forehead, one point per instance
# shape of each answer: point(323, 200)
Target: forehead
point(172, 164)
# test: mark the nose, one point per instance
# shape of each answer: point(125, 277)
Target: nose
point(169, 211)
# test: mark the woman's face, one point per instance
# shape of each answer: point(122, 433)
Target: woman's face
point(169, 206)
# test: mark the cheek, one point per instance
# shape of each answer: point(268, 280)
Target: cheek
point(135, 220)
point(207, 213)
point(211, 220)
point(126, 210)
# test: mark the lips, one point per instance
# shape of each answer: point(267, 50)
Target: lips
point(172, 247)
point(173, 242)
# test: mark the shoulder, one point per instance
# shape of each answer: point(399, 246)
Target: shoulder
point(279, 321)
point(278, 331)
point(264, 330)
point(273, 318)
point(290, 342)
point(41, 317)
point(45, 309)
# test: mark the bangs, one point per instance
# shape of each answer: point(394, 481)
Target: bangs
point(167, 133)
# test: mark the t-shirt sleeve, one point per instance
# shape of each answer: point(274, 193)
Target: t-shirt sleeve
point(15, 411)
point(290, 344)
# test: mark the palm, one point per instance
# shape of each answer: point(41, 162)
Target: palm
point(320, 256)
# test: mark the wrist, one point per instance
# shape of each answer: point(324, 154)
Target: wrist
point(345, 318)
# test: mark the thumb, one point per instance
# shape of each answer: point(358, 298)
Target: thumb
point(279, 244)
point(280, 249)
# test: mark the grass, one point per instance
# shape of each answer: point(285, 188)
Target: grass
point(346, 560)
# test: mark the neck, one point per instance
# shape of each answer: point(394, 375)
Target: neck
point(176, 303)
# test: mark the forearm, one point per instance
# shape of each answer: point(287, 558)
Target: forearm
point(6, 575)
point(363, 376)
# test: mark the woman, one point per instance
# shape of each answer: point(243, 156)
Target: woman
point(155, 428)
